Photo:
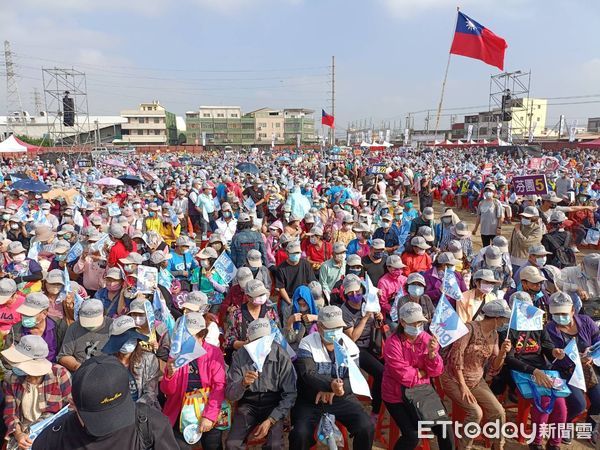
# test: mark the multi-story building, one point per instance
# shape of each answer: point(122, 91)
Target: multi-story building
point(521, 116)
point(226, 125)
point(299, 121)
point(151, 123)
point(268, 125)
point(593, 125)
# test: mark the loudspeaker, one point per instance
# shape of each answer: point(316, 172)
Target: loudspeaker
point(68, 111)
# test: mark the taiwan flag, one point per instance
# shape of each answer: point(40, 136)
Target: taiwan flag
point(473, 40)
point(326, 119)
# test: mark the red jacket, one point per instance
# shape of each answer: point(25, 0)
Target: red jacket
point(119, 251)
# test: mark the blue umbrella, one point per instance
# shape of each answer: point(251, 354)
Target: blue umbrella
point(248, 168)
point(284, 159)
point(30, 186)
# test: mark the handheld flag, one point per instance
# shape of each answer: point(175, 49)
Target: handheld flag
point(250, 205)
point(66, 286)
point(74, 252)
point(594, 353)
point(526, 317)
point(38, 427)
point(225, 268)
point(577, 379)
point(280, 339)
point(327, 119)
point(473, 40)
point(162, 313)
point(184, 348)
point(357, 381)
point(371, 298)
point(259, 349)
point(78, 301)
point(150, 319)
point(446, 324)
point(450, 286)
point(394, 310)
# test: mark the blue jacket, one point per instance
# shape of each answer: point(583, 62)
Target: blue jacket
point(243, 242)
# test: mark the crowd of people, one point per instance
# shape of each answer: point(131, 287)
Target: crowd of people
point(310, 238)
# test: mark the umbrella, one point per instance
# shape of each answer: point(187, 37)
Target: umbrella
point(248, 167)
point(30, 186)
point(162, 165)
point(115, 163)
point(109, 181)
point(284, 159)
point(176, 164)
point(131, 180)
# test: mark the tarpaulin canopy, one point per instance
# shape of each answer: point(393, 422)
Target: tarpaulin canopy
point(591, 144)
point(14, 145)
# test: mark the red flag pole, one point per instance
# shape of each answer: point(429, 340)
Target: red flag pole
point(439, 110)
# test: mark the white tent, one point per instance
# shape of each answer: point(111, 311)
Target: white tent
point(10, 145)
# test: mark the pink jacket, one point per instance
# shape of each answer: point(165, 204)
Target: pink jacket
point(388, 286)
point(403, 360)
point(212, 373)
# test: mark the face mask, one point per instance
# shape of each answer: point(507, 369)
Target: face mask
point(355, 298)
point(151, 214)
point(313, 240)
point(386, 225)
point(139, 321)
point(451, 268)
point(525, 222)
point(67, 237)
point(61, 257)
point(503, 327)
point(420, 251)
point(226, 215)
point(260, 300)
point(113, 287)
point(415, 290)
point(413, 331)
point(294, 257)
point(488, 195)
point(29, 322)
point(339, 258)
point(562, 319)
point(408, 205)
point(18, 372)
point(354, 271)
point(14, 226)
point(540, 262)
point(486, 288)
point(332, 336)
point(128, 347)
point(19, 258)
point(53, 289)
point(447, 220)
point(129, 268)
point(377, 255)
point(205, 263)
point(274, 233)
point(398, 218)
point(5, 216)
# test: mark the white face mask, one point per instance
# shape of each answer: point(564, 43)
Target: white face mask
point(525, 222)
point(540, 262)
point(486, 288)
point(488, 195)
point(19, 258)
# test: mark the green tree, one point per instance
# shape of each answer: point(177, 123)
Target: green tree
point(40, 142)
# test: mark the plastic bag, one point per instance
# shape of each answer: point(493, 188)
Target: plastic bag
point(328, 433)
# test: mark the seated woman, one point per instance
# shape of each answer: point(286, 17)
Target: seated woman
point(469, 308)
point(359, 328)
point(207, 373)
point(124, 343)
point(434, 277)
point(463, 378)
point(35, 390)
point(415, 292)
point(564, 326)
point(411, 359)
point(303, 319)
point(391, 284)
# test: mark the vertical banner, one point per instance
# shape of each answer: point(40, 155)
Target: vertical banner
point(347, 138)
point(509, 135)
point(203, 138)
point(406, 137)
point(272, 140)
point(380, 136)
point(362, 136)
point(573, 131)
point(532, 127)
point(388, 135)
point(499, 131)
point(469, 132)
point(298, 140)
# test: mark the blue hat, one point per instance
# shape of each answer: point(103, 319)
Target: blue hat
point(116, 341)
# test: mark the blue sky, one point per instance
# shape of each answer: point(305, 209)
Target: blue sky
point(390, 54)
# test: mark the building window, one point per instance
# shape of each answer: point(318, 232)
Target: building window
point(539, 106)
point(140, 132)
point(156, 120)
point(278, 125)
point(157, 132)
point(141, 119)
point(262, 124)
point(262, 135)
point(234, 115)
point(206, 115)
point(220, 115)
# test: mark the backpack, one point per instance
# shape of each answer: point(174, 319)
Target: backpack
point(143, 425)
point(563, 254)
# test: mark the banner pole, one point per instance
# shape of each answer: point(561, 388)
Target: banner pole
point(439, 110)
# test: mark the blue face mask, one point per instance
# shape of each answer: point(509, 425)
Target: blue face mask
point(408, 205)
point(354, 271)
point(377, 255)
point(18, 372)
point(413, 331)
point(332, 336)
point(450, 268)
point(502, 328)
point(294, 257)
point(415, 290)
point(60, 257)
point(562, 319)
point(151, 214)
point(28, 322)
point(129, 346)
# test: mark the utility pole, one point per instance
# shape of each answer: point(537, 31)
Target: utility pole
point(332, 129)
point(427, 122)
point(13, 98)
